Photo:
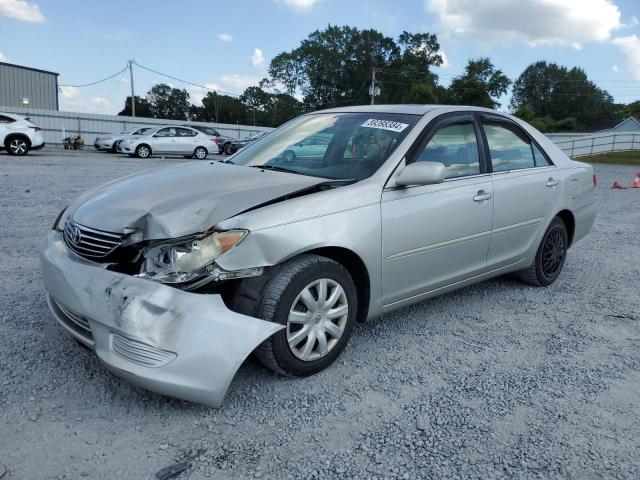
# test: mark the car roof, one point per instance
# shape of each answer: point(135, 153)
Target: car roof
point(411, 109)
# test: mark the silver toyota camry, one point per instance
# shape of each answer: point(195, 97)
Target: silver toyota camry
point(175, 276)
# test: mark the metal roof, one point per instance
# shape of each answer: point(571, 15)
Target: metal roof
point(28, 68)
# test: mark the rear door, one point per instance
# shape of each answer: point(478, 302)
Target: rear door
point(436, 235)
point(187, 140)
point(526, 188)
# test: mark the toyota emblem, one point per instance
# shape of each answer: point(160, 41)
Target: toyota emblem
point(76, 236)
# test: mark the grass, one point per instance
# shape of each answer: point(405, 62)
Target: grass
point(631, 157)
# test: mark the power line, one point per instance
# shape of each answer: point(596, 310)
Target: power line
point(186, 81)
point(95, 83)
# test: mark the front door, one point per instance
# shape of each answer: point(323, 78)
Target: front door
point(435, 235)
point(166, 141)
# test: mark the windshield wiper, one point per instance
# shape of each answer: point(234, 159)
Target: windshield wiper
point(275, 168)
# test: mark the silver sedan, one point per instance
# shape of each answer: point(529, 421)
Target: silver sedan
point(175, 276)
point(170, 140)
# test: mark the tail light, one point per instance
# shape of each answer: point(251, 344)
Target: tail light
point(594, 180)
point(214, 139)
point(37, 129)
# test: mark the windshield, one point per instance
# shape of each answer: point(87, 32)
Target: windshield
point(341, 146)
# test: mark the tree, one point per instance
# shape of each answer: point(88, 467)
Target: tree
point(334, 66)
point(554, 91)
point(168, 102)
point(143, 109)
point(480, 85)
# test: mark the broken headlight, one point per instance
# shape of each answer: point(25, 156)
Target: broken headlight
point(189, 260)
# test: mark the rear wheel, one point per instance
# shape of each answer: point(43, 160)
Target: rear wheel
point(316, 300)
point(228, 149)
point(200, 153)
point(17, 145)
point(550, 256)
point(143, 151)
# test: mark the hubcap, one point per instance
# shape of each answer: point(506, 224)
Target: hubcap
point(18, 146)
point(317, 319)
point(200, 153)
point(553, 253)
point(143, 152)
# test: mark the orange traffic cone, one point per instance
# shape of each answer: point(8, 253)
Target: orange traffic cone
point(617, 186)
point(636, 182)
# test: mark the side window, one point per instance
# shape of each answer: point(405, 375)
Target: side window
point(455, 146)
point(185, 132)
point(539, 157)
point(509, 147)
point(4, 119)
point(167, 132)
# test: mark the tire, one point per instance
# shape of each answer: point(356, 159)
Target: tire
point(143, 151)
point(283, 295)
point(289, 156)
point(17, 145)
point(228, 149)
point(114, 149)
point(550, 256)
point(200, 153)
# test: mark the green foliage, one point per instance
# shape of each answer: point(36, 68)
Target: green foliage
point(557, 92)
point(333, 67)
point(480, 85)
point(167, 102)
point(143, 109)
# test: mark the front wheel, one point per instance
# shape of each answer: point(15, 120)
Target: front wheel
point(316, 300)
point(550, 256)
point(143, 151)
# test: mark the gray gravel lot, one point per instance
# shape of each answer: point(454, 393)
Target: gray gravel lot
point(499, 380)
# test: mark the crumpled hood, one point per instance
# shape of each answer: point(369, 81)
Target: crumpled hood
point(182, 200)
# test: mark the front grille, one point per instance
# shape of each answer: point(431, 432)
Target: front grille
point(140, 353)
point(89, 242)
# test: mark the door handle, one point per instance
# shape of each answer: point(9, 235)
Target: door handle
point(552, 182)
point(482, 196)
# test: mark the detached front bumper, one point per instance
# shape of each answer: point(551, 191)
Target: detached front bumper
point(175, 343)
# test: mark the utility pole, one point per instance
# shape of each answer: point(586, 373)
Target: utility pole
point(373, 88)
point(133, 97)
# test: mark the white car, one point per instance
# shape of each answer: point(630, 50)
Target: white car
point(184, 141)
point(109, 142)
point(18, 135)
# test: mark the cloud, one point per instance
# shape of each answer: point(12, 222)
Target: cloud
point(533, 22)
point(72, 101)
point(3, 57)
point(257, 59)
point(445, 60)
point(225, 37)
point(300, 6)
point(630, 46)
point(615, 68)
point(237, 83)
point(21, 10)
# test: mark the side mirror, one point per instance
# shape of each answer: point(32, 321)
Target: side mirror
point(421, 173)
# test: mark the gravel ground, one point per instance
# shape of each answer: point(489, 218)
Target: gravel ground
point(499, 380)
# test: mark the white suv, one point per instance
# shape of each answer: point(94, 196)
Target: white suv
point(18, 135)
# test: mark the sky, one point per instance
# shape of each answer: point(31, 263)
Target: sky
point(227, 45)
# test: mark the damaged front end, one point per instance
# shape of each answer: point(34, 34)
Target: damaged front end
point(135, 303)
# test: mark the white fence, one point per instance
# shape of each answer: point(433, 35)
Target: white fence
point(598, 143)
point(56, 125)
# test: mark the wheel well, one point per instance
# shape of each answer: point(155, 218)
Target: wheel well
point(358, 271)
point(17, 135)
point(144, 145)
point(569, 221)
